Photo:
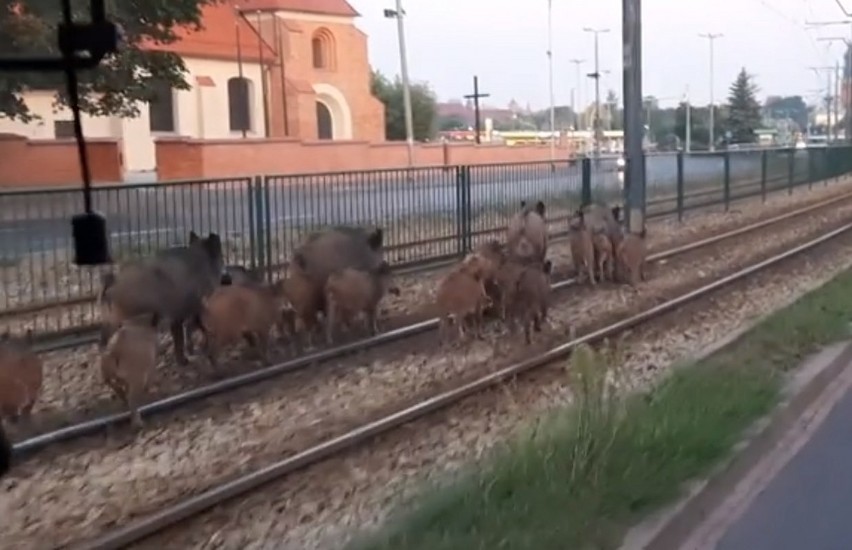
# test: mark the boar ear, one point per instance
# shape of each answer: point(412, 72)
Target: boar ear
point(540, 208)
point(548, 266)
point(193, 237)
point(523, 204)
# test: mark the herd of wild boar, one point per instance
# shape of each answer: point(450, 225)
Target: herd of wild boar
point(334, 277)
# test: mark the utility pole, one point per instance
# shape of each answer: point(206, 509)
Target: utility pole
point(475, 97)
point(399, 14)
point(711, 38)
point(848, 61)
point(550, 77)
point(688, 130)
point(597, 76)
point(634, 170)
point(838, 75)
point(827, 98)
point(578, 121)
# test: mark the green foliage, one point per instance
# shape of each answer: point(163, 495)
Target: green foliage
point(700, 124)
point(423, 107)
point(790, 107)
point(123, 79)
point(744, 116)
point(451, 123)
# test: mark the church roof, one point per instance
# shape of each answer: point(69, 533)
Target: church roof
point(323, 7)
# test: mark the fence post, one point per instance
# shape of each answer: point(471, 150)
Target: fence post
point(463, 209)
point(680, 186)
point(791, 170)
point(260, 220)
point(267, 201)
point(764, 166)
point(811, 169)
point(250, 184)
point(586, 186)
point(726, 159)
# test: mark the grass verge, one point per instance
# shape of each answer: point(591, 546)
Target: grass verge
point(580, 478)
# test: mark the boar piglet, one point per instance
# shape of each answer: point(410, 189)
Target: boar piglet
point(527, 233)
point(129, 361)
point(461, 296)
point(604, 256)
point(241, 312)
point(582, 246)
point(352, 292)
point(305, 303)
point(631, 254)
point(21, 376)
point(529, 305)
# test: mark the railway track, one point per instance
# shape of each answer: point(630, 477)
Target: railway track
point(184, 509)
point(82, 307)
point(188, 398)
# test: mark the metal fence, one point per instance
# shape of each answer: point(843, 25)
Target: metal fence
point(429, 215)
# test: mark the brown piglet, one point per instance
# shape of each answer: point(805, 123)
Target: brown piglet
point(631, 254)
point(604, 256)
point(461, 296)
point(582, 246)
point(129, 360)
point(21, 375)
point(531, 298)
point(241, 312)
point(352, 292)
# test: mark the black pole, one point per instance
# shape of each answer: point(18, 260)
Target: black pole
point(280, 51)
point(634, 171)
point(262, 75)
point(476, 107)
point(243, 86)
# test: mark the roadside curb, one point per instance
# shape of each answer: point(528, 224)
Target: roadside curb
point(670, 528)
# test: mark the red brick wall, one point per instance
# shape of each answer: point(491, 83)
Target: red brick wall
point(39, 163)
point(180, 158)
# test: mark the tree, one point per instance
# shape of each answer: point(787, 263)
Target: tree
point(123, 80)
point(700, 124)
point(744, 110)
point(452, 122)
point(423, 107)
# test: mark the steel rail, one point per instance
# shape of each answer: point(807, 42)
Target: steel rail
point(172, 402)
point(143, 528)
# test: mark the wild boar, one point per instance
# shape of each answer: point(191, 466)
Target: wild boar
point(170, 285)
point(527, 233)
point(241, 312)
point(507, 283)
point(582, 247)
point(335, 249)
point(631, 254)
point(605, 256)
point(129, 361)
point(530, 299)
point(460, 296)
point(305, 304)
point(21, 375)
point(351, 292)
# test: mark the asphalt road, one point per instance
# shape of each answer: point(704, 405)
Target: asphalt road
point(808, 505)
point(163, 213)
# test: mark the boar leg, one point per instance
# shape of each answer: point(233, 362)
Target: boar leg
point(642, 274)
point(372, 321)
point(330, 320)
point(131, 399)
point(527, 326)
point(177, 329)
point(590, 268)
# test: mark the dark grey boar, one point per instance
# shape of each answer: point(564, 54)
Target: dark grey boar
point(21, 375)
point(531, 297)
point(129, 361)
point(527, 233)
point(335, 249)
point(351, 292)
point(170, 285)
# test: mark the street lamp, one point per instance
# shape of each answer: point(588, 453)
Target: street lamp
point(711, 37)
point(597, 76)
point(399, 15)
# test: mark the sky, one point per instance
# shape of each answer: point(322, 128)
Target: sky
point(504, 43)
